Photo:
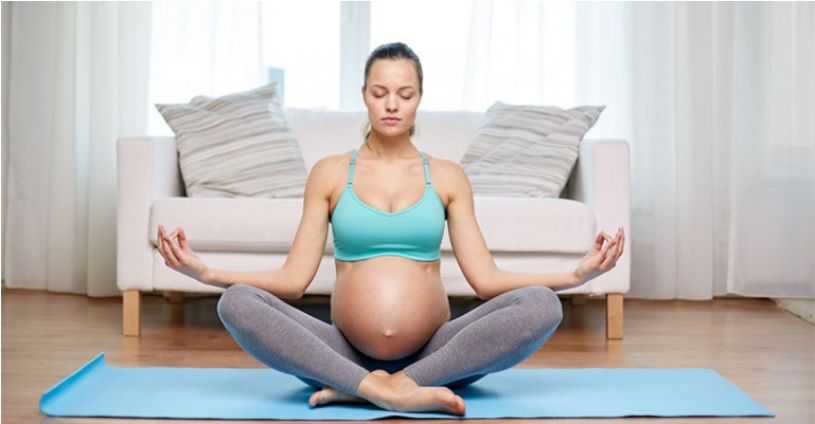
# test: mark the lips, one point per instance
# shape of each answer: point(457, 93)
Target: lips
point(391, 120)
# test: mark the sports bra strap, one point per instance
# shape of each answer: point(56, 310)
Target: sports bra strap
point(351, 170)
point(426, 169)
point(354, 160)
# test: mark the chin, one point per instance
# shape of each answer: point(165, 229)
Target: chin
point(392, 132)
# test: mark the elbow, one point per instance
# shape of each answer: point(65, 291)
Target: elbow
point(483, 294)
point(294, 291)
point(290, 293)
point(294, 295)
point(483, 290)
point(297, 288)
point(485, 282)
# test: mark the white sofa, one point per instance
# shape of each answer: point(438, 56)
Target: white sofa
point(523, 234)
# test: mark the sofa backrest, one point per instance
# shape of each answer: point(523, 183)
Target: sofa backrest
point(325, 132)
point(446, 134)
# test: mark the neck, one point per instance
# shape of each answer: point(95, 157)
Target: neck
point(390, 147)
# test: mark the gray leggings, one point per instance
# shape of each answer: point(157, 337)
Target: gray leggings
point(496, 335)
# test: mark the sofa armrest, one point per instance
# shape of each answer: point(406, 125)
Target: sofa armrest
point(601, 179)
point(147, 170)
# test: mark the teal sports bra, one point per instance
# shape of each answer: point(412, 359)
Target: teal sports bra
point(363, 232)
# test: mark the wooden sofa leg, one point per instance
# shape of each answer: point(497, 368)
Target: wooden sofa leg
point(614, 316)
point(176, 297)
point(131, 307)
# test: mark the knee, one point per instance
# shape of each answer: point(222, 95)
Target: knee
point(232, 301)
point(544, 306)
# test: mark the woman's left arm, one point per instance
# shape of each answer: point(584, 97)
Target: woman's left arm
point(477, 263)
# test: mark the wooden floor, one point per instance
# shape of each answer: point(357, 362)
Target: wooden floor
point(761, 348)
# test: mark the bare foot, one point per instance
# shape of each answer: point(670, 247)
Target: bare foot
point(331, 395)
point(398, 392)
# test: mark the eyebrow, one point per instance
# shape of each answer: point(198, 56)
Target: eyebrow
point(407, 87)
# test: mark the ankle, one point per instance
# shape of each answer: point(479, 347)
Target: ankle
point(402, 379)
point(377, 387)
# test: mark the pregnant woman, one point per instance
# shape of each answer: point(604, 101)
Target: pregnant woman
point(392, 342)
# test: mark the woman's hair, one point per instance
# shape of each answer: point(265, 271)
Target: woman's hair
point(394, 51)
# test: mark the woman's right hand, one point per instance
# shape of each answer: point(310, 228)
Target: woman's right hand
point(179, 256)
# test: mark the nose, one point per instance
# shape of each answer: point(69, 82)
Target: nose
point(390, 105)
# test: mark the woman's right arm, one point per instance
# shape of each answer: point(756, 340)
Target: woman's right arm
point(291, 280)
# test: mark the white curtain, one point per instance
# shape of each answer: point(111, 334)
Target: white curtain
point(77, 81)
point(520, 52)
point(80, 75)
point(717, 101)
point(203, 48)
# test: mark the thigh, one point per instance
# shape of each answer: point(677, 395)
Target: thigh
point(449, 330)
point(495, 336)
point(327, 333)
point(498, 304)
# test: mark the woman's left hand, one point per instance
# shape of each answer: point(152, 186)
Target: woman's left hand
point(603, 256)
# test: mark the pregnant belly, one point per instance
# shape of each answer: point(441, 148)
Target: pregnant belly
point(388, 307)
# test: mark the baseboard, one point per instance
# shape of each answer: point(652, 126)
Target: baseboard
point(803, 308)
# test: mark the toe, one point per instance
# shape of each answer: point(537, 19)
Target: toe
point(315, 398)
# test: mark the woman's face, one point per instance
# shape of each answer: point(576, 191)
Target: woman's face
point(391, 95)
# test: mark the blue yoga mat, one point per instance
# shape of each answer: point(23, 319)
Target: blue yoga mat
point(99, 390)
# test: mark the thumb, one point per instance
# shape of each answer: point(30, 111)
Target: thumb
point(182, 239)
point(599, 240)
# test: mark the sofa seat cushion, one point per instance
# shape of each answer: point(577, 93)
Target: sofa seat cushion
point(517, 224)
point(230, 225)
point(269, 225)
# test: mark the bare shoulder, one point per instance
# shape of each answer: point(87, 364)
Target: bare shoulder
point(331, 166)
point(446, 169)
point(449, 179)
point(328, 172)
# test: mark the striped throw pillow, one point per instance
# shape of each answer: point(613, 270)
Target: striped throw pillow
point(237, 145)
point(526, 151)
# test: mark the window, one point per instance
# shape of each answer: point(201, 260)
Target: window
point(438, 33)
point(301, 48)
point(472, 53)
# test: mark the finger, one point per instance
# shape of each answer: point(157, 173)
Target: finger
point(162, 234)
point(598, 241)
point(182, 239)
point(610, 259)
point(612, 243)
point(617, 251)
point(622, 243)
point(604, 251)
point(159, 236)
point(162, 244)
point(601, 238)
point(178, 248)
point(170, 257)
point(177, 253)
